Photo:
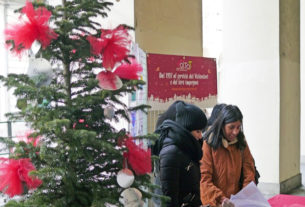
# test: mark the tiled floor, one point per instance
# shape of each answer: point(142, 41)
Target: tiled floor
point(301, 191)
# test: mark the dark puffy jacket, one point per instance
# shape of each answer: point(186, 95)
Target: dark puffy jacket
point(179, 154)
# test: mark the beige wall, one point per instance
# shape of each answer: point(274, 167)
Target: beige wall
point(289, 89)
point(169, 27)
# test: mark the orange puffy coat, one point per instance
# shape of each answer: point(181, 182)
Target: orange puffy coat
point(221, 170)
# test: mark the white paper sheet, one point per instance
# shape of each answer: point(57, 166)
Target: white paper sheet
point(249, 196)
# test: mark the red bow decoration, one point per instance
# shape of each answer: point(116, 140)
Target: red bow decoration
point(112, 46)
point(36, 28)
point(14, 174)
point(138, 158)
point(111, 80)
point(129, 71)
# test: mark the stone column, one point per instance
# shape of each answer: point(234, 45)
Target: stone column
point(289, 175)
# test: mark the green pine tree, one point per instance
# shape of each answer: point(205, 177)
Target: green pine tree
point(77, 162)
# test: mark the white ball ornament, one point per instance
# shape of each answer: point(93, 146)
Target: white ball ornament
point(131, 197)
point(109, 112)
point(40, 71)
point(125, 178)
point(109, 81)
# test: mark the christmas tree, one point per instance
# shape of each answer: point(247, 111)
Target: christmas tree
point(70, 98)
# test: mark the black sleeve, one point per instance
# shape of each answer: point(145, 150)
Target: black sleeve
point(170, 173)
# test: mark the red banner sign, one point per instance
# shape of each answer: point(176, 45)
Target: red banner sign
point(172, 77)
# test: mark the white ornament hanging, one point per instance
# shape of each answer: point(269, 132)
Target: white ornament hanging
point(109, 81)
point(109, 112)
point(131, 197)
point(40, 71)
point(35, 47)
point(125, 178)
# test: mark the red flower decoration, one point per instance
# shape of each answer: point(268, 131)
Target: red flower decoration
point(129, 71)
point(36, 28)
point(138, 158)
point(81, 123)
point(27, 138)
point(112, 45)
point(14, 174)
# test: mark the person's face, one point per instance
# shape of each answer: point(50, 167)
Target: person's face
point(197, 134)
point(231, 130)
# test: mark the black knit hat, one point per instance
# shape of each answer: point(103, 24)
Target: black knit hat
point(190, 116)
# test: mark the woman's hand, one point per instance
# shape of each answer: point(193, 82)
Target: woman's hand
point(227, 203)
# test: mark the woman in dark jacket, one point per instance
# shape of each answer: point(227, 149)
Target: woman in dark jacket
point(170, 114)
point(180, 153)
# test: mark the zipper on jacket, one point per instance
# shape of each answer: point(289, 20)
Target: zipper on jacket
point(189, 166)
point(190, 200)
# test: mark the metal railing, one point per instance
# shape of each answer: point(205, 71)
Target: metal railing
point(9, 133)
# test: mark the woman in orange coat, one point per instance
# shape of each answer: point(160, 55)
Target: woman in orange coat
point(225, 155)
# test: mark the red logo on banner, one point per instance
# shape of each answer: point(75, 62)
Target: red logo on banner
point(171, 76)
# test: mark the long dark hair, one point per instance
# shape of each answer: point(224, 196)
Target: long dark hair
point(215, 112)
point(228, 114)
